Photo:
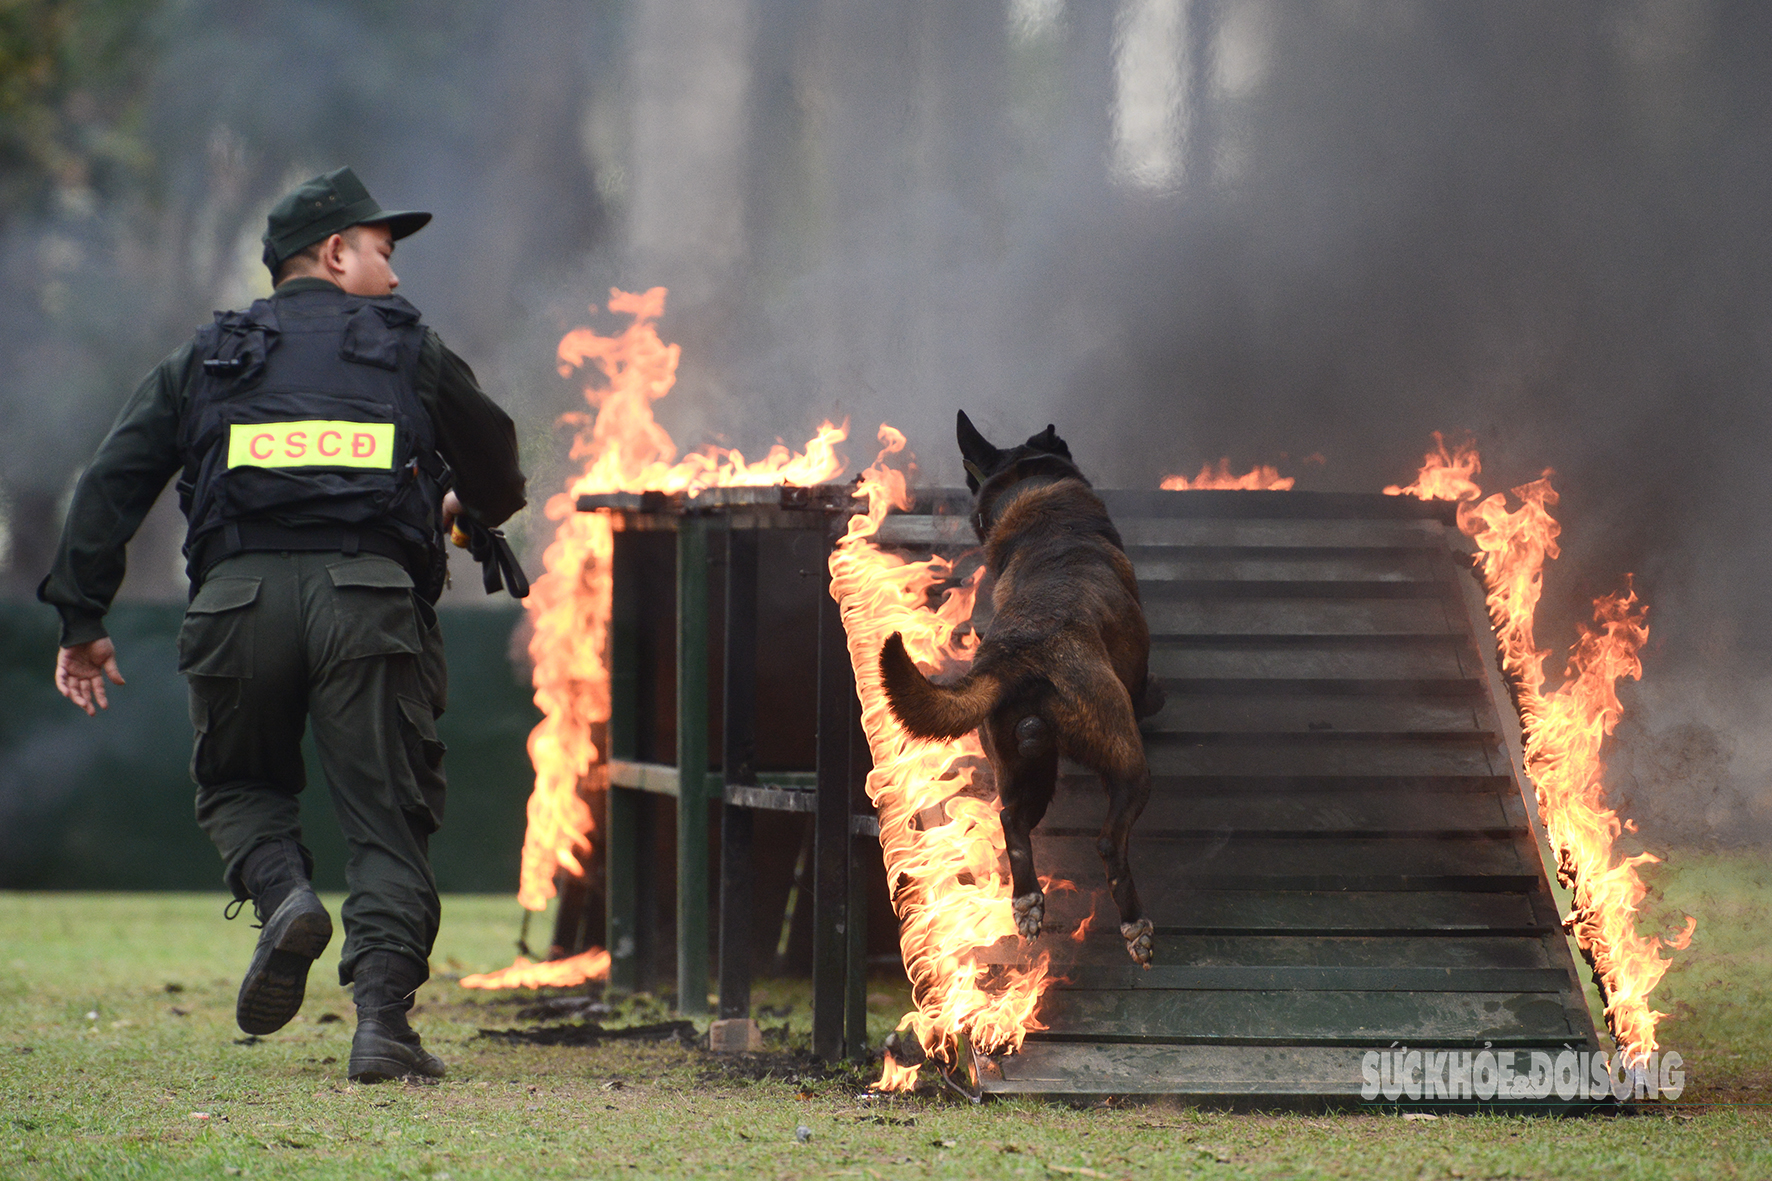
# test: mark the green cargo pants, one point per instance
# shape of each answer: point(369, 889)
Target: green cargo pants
point(273, 640)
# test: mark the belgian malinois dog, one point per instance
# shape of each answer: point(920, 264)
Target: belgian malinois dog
point(1062, 668)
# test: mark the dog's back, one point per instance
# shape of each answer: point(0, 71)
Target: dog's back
point(1065, 594)
point(1066, 621)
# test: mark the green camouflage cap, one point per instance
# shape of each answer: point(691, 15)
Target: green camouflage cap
point(324, 206)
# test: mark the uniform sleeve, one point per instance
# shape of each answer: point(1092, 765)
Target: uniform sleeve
point(474, 435)
point(119, 486)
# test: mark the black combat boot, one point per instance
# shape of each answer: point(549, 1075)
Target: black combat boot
point(296, 929)
point(385, 1047)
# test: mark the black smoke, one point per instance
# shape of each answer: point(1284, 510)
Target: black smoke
point(1179, 229)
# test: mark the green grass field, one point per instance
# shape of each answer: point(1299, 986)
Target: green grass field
point(119, 1058)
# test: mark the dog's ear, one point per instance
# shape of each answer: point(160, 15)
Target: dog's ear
point(976, 452)
point(1049, 442)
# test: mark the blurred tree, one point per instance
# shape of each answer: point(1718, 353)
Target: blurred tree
point(73, 75)
point(142, 142)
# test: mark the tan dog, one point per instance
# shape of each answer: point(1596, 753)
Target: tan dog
point(1062, 669)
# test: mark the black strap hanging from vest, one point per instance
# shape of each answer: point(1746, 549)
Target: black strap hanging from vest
point(499, 568)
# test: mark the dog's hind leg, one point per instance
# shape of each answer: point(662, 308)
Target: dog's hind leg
point(1105, 736)
point(1025, 754)
point(1127, 795)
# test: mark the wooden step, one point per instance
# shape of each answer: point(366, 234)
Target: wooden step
point(1265, 534)
point(1270, 909)
point(1102, 945)
point(1163, 864)
point(1296, 658)
point(1256, 590)
point(1300, 785)
point(1083, 809)
point(1379, 755)
point(1244, 617)
point(1127, 504)
point(1315, 714)
point(1307, 1078)
point(1123, 975)
point(1300, 1017)
point(1260, 565)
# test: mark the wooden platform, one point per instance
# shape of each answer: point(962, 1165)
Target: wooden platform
point(1337, 855)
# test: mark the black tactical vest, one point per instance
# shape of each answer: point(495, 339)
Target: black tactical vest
point(305, 432)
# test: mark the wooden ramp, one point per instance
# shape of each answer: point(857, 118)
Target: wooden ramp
point(1337, 854)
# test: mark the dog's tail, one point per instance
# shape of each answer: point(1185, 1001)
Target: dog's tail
point(929, 710)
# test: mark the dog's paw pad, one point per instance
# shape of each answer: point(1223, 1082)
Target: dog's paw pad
point(1030, 912)
point(1138, 941)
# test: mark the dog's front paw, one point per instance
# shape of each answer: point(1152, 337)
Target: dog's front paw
point(1030, 911)
point(1138, 941)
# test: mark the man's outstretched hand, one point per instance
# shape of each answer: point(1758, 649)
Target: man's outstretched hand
point(81, 672)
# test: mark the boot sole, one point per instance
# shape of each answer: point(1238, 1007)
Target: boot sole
point(273, 990)
point(379, 1070)
point(385, 1070)
point(379, 1056)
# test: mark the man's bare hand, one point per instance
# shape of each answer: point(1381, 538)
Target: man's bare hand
point(81, 672)
point(453, 513)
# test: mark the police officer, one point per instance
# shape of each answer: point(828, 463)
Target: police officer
point(324, 439)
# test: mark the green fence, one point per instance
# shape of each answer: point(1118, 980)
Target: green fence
point(105, 803)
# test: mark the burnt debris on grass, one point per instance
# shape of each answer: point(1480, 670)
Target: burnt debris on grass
point(555, 1008)
point(785, 1059)
point(589, 1033)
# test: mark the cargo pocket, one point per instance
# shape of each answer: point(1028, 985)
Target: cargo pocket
point(376, 613)
point(210, 699)
point(424, 754)
point(433, 667)
point(216, 637)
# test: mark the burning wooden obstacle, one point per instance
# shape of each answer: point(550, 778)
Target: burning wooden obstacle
point(1339, 852)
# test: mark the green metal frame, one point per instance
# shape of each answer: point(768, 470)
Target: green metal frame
point(692, 752)
point(834, 792)
point(623, 854)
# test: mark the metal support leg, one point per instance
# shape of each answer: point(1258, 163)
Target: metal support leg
point(580, 917)
point(622, 856)
point(569, 916)
point(740, 763)
point(830, 897)
point(692, 765)
point(855, 1001)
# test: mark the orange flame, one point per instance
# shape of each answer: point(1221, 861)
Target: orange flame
point(939, 831)
point(1088, 923)
point(1563, 730)
point(624, 450)
point(896, 1077)
point(587, 965)
point(1445, 475)
point(1260, 478)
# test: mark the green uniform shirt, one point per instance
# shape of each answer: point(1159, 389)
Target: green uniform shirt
point(141, 453)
